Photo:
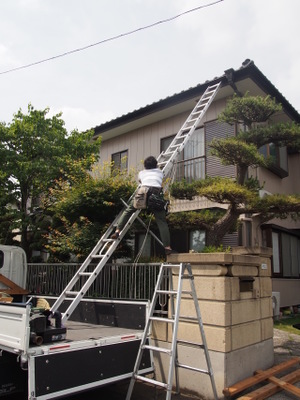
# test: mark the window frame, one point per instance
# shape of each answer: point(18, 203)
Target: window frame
point(119, 166)
point(276, 152)
point(285, 240)
point(185, 165)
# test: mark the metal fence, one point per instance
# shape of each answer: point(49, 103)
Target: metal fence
point(117, 281)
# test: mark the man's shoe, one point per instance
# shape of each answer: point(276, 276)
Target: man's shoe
point(170, 251)
point(115, 235)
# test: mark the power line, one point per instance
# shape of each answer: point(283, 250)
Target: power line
point(111, 38)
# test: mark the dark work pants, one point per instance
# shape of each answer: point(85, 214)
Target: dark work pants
point(160, 218)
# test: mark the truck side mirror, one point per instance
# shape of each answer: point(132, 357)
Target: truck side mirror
point(1, 258)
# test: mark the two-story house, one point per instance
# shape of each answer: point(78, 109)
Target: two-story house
point(127, 140)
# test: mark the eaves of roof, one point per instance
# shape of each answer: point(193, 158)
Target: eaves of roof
point(230, 78)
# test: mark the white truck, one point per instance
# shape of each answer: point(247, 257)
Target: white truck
point(98, 345)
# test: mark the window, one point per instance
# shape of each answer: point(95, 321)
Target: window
point(279, 158)
point(290, 255)
point(191, 164)
point(247, 233)
point(286, 253)
point(276, 255)
point(197, 240)
point(120, 161)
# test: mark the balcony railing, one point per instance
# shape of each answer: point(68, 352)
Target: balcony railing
point(191, 169)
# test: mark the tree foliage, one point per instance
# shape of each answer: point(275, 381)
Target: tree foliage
point(82, 212)
point(36, 151)
point(253, 116)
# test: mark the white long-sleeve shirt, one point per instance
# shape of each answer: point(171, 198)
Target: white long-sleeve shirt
point(151, 177)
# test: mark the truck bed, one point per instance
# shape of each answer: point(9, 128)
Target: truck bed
point(87, 331)
point(91, 355)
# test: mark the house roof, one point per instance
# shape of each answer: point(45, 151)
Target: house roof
point(232, 80)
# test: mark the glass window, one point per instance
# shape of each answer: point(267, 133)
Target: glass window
point(120, 161)
point(279, 158)
point(283, 159)
point(165, 142)
point(191, 163)
point(248, 233)
point(276, 259)
point(197, 240)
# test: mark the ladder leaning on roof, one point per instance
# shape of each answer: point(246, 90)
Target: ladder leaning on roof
point(101, 253)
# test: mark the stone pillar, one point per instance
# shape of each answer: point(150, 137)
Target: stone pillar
point(235, 298)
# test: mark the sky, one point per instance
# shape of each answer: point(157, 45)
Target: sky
point(121, 55)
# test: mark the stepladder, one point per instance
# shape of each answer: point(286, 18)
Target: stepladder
point(165, 287)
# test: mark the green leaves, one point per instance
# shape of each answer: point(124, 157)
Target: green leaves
point(194, 219)
point(36, 151)
point(249, 109)
point(258, 134)
point(277, 206)
point(236, 151)
point(82, 211)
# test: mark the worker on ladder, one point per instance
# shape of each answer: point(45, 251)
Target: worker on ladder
point(150, 180)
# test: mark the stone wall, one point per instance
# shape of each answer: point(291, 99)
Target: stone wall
point(234, 291)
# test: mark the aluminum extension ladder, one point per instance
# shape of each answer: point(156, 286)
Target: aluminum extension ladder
point(101, 253)
point(184, 272)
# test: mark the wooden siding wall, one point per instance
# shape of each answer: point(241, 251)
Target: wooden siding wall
point(145, 141)
point(142, 142)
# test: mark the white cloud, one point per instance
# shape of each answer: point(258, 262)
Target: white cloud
point(114, 78)
point(81, 119)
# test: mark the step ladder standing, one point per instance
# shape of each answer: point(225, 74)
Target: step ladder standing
point(99, 256)
point(184, 272)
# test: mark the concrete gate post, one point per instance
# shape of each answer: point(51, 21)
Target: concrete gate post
point(235, 298)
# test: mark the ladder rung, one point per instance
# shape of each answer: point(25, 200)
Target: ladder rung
point(85, 273)
point(152, 381)
point(172, 292)
point(182, 136)
point(171, 265)
point(158, 349)
point(97, 256)
point(209, 91)
point(186, 292)
point(171, 321)
point(71, 293)
point(203, 371)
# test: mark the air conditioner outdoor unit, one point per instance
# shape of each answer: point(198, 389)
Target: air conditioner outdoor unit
point(276, 304)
